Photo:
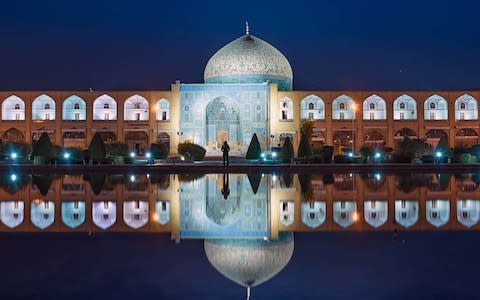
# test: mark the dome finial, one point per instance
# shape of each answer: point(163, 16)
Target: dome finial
point(247, 28)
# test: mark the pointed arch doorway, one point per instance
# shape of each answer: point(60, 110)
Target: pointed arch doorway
point(223, 124)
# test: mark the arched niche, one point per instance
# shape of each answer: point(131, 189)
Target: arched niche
point(466, 108)
point(162, 110)
point(404, 108)
point(287, 212)
point(73, 213)
point(104, 213)
point(313, 213)
point(375, 212)
point(13, 109)
point(43, 108)
point(42, 213)
point(343, 108)
point(135, 213)
point(374, 108)
point(406, 212)
point(312, 108)
point(136, 109)
point(105, 108)
point(345, 213)
point(12, 213)
point(74, 108)
point(435, 108)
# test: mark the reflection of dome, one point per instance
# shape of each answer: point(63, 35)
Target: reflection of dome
point(223, 211)
point(249, 59)
point(250, 262)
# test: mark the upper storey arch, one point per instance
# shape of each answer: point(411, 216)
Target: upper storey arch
point(13, 109)
point(43, 108)
point(74, 108)
point(466, 108)
point(312, 108)
point(136, 109)
point(436, 108)
point(162, 109)
point(343, 108)
point(104, 108)
point(374, 108)
point(404, 108)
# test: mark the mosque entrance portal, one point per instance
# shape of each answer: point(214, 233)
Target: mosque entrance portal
point(223, 124)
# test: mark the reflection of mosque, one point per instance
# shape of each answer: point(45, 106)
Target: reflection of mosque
point(247, 221)
point(225, 205)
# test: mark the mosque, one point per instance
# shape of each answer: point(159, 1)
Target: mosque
point(248, 89)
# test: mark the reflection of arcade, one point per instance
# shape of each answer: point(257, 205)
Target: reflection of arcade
point(226, 187)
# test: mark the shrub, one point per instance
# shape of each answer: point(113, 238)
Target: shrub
point(159, 151)
point(254, 150)
point(116, 149)
point(287, 151)
point(327, 154)
point(191, 151)
point(304, 148)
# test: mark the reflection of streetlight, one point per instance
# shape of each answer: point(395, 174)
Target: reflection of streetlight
point(353, 108)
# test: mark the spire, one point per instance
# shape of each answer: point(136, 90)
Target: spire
point(247, 28)
point(248, 292)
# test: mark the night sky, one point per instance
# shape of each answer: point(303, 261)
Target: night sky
point(120, 45)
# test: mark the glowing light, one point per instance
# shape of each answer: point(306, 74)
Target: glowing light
point(355, 217)
point(378, 176)
point(263, 155)
point(438, 154)
point(14, 155)
point(377, 155)
point(66, 155)
point(132, 178)
point(148, 155)
point(274, 154)
point(13, 177)
point(132, 154)
point(350, 154)
point(155, 217)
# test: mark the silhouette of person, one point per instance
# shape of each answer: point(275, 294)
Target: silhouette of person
point(225, 150)
point(226, 187)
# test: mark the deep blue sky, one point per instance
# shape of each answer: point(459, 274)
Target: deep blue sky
point(333, 266)
point(118, 44)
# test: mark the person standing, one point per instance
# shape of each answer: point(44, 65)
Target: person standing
point(225, 150)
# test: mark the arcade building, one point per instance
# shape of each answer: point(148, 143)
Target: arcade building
point(247, 89)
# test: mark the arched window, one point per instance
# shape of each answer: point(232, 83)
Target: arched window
point(136, 109)
point(104, 108)
point(462, 106)
point(404, 108)
point(432, 105)
point(17, 106)
point(342, 106)
point(312, 108)
point(74, 108)
point(374, 108)
point(285, 105)
point(47, 106)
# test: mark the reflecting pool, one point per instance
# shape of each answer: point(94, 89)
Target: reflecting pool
point(261, 231)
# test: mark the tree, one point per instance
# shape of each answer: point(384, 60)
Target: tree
point(443, 148)
point(159, 151)
point(254, 150)
point(407, 149)
point(304, 149)
point(287, 151)
point(254, 180)
point(191, 151)
point(97, 148)
point(42, 149)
